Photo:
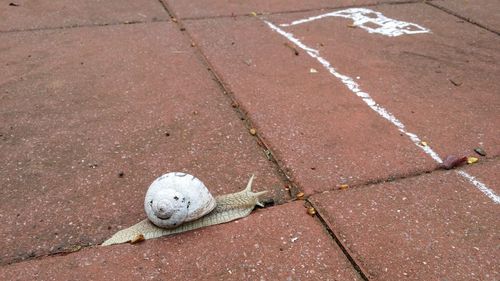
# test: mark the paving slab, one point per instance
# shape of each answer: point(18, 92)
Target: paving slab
point(322, 133)
point(218, 8)
point(431, 227)
point(22, 15)
point(89, 117)
point(278, 243)
point(483, 12)
point(443, 85)
point(486, 171)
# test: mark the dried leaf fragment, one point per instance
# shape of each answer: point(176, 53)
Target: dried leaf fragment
point(472, 160)
point(253, 131)
point(455, 83)
point(311, 211)
point(253, 14)
point(269, 154)
point(292, 48)
point(74, 248)
point(344, 186)
point(138, 238)
point(452, 161)
point(423, 143)
point(300, 195)
point(480, 151)
point(312, 70)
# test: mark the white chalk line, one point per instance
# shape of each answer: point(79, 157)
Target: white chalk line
point(371, 21)
point(481, 186)
point(384, 113)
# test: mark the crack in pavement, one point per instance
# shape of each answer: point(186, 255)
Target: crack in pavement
point(301, 10)
point(81, 25)
point(469, 20)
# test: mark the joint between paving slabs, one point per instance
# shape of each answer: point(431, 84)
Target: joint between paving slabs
point(82, 25)
point(401, 177)
point(240, 112)
point(471, 21)
point(341, 7)
point(335, 237)
point(167, 9)
point(73, 248)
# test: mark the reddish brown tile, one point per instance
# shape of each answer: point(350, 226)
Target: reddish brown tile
point(210, 8)
point(324, 135)
point(430, 227)
point(279, 243)
point(483, 12)
point(82, 106)
point(486, 171)
point(442, 85)
point(66, 13)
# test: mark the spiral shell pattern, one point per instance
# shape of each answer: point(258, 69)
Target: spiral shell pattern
point(176, 198)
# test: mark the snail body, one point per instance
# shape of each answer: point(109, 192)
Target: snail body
point(227, 208)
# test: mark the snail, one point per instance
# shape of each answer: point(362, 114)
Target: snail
point(179, 202)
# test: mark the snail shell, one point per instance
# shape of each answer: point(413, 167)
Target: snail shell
point(176, 198)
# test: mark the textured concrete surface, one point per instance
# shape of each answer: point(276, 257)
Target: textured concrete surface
point(324, 135)
point(81, 106)
point(430, 227)
point(486, 170)
point(483, 12)
point(224, 8)
point(442, 85)
point(22, 15)
point(279, 243)
point(98, 98)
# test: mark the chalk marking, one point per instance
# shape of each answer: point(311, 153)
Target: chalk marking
point(371, 21)
point(384, 113)
point(354, 87)
point(481, 186)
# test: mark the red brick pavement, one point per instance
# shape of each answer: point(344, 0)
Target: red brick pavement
point(97, 99)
